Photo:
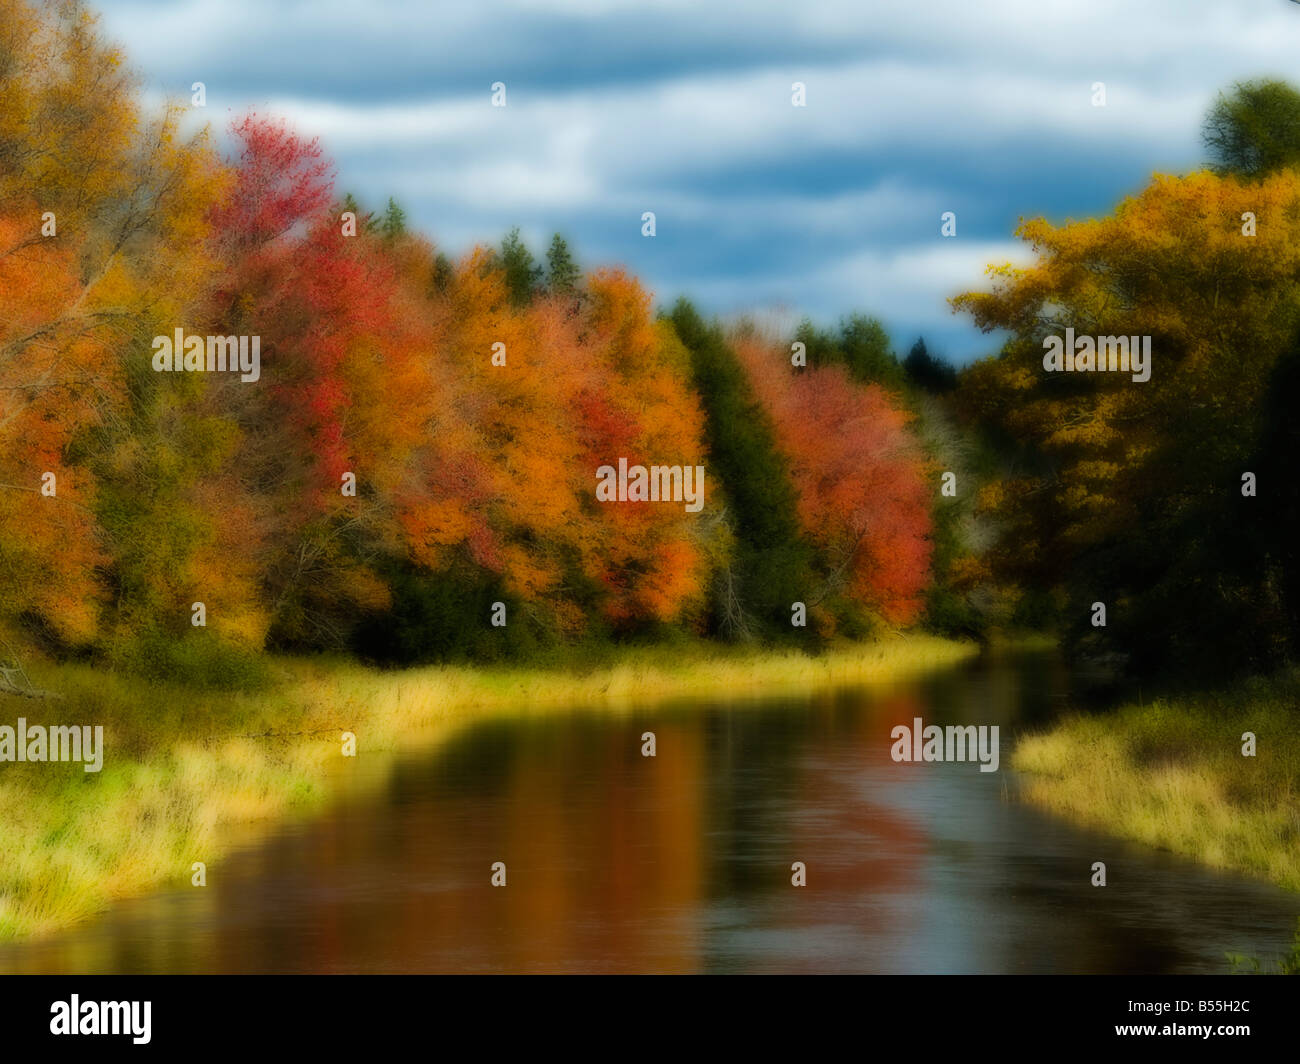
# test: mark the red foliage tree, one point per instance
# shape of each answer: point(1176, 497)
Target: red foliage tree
point(859, 472)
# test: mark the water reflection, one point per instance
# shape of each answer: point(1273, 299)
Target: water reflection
point(682, 862)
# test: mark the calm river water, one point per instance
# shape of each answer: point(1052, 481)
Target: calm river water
point(682, 862)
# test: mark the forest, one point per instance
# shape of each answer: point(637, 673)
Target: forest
point(252, 428)
point(411, 476)
point(421, 436)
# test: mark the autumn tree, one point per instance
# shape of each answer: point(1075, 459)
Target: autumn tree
point(101, 233)
point(651, 557)
point(502, 506)
point(419, 439)
point(1114, 470)
point(860, 478)
point(339, 344)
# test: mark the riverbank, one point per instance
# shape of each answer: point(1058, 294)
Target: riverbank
point(189, 773)
point(1171, 774)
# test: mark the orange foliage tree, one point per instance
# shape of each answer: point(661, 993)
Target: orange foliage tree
point(864, 494)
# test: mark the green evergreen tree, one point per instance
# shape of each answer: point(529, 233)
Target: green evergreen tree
point(394, 223)
point(365, 219)
point(860, 344)
point(562, 273)
point(928, 373)
point(442, 272)
point(772, 565)
point(523, 275)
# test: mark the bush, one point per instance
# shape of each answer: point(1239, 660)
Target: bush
point(196, 658)
point(441, 617)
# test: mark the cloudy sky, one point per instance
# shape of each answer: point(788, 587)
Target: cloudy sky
point(683, 107)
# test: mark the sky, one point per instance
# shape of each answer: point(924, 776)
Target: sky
point(683, 108)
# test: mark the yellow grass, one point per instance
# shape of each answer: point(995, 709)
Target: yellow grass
point(1171, 774)
point(188, 774)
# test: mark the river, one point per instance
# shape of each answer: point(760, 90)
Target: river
point(681, 862)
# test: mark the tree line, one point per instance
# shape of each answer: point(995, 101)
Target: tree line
point(412, 476)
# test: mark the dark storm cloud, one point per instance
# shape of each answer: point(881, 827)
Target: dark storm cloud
point(684, 108)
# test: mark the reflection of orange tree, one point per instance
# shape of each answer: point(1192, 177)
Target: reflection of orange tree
point(856, 848)
point(597, 865)
point(612, 861)
point(608, 854)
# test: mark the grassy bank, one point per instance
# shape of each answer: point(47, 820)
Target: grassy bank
point(187, 773)
point(1171, 774)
